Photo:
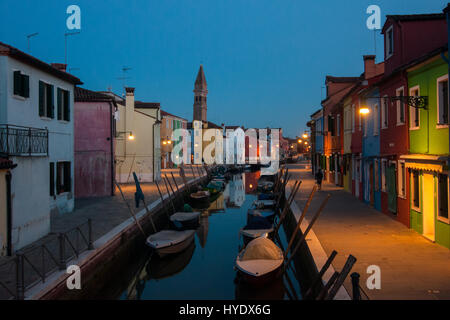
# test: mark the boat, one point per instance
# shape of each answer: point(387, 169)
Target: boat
point(256, 227)
point(200, 198)
point(265, 213)
point(185, 220)
point(167, 242)
point(267, 196)
point(260, 261)
point(265, 185)
point(264, 204)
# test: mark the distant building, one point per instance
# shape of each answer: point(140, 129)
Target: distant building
point(169, 123)
point(94, 143)
point(200, 96)
point(36, 133)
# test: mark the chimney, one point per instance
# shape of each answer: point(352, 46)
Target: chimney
point(369, 66)
point(59, 66)
point(129, 109)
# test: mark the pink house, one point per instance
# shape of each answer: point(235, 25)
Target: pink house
point(94, 143)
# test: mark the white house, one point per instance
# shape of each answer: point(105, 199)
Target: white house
point(36, 133)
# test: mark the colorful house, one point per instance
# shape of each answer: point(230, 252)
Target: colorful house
point(316, 125)
point(94, 135)
point(429, 148)
point(347, 163)
point(169, 123)
point(406, 37)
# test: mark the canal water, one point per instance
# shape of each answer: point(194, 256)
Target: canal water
point(206, 269)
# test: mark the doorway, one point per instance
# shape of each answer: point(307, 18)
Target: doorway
point(391, 185)
point(428, 189)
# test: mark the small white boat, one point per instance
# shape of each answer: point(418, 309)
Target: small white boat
point(260, 261)
point(170, 241)
point(250, 234)
point(185, 220)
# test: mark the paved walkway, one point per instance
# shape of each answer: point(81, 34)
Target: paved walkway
point(105, 213)
point(412, 267)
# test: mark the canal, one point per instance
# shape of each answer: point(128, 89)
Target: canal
point(205, 270)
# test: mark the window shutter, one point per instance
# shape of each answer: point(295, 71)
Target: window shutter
point(26, 86)
point(67, 106)
point(59, 101)
point(52, 178)
point(17, 83)
point(50, 101)
point(67, 177)
point(41, 99)
point(58, 177)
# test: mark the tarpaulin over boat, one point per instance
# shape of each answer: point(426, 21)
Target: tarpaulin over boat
point(261, 248)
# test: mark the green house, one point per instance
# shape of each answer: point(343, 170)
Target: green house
point(429, 149)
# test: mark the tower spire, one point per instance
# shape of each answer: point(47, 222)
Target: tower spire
point(200, 94)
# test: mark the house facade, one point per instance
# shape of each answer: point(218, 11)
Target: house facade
point(36, 133)
point(429, 149)
point(94, 143)
point(169, 123)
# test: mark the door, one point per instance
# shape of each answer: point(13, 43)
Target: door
point(357, 174)
point(428, 189)
point(391, 188)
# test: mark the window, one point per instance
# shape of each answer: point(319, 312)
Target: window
point(167, 123)
point(442, 95)
point(383, 175)
point(415, 197)
point(376, 126)
point(63, 177)
point(384, 112)
point(401, 179)
point(443, 198)
point(21, 84)
point(400, 107)
point(338, 125)
point(376, 178)
point(63, 104)
point(52, 178)
point(389, 42)
point(414, 116)
point(46, 106)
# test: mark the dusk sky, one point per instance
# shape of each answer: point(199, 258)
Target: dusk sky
point(265, 61)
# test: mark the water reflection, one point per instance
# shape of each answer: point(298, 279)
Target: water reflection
point(207, 272)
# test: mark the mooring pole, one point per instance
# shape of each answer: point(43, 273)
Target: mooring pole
point(162, 200)
point(320, 275)
point(168, 193)
point(170, 185)
point(180, 194)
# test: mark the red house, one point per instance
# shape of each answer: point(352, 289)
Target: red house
point(94, 143)
point(407, 37)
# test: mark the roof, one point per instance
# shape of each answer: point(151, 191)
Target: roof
point(165, 113)
point(6, 164)
point(200, 82)
point(211, 125)
point(7, 50)
point(82, 94)
point(341, 79)
point(415, 17)
point(146, 105)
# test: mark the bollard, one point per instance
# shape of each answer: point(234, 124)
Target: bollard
point(90, 240)
point(62, 252)
point(355, 286)
point(20, 280)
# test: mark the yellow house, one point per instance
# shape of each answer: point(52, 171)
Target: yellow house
point(137, 139)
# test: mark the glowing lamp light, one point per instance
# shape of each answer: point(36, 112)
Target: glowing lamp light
point(251, 186)
point(306, 142)
point(169, 141)
point(250, 146)
point(164, 142)
point(131, 137)
point(305, 136)
point(364, 110)
point(299, 141)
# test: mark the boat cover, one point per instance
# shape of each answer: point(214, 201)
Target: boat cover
point(184, 216)
point(255, 222)
point(261, 249)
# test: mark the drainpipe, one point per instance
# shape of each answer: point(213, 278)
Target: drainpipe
point(8, 214)
point(447, 17)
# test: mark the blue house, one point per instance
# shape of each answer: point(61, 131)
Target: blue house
point(316, 124)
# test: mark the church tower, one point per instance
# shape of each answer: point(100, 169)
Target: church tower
point(200, 93)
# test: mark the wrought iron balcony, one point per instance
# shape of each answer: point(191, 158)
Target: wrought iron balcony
point(23, 141)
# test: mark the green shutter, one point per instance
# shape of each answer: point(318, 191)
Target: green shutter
point(59, 101)
point(50, 102)
point(67, 106)
point(52, 178)
point(26, 86)
point(67, 177)
point(17, 83)
point(41, 99)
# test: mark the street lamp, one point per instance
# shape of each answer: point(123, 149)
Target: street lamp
point(130, 136)
point(299, 141)
point(364, 110)
point(305, 136)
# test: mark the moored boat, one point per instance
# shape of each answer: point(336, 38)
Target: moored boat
point(260, 261)
point(167, 242)
point(264, 204)
point(200, 198)
point(185, 220)
point(265, 213)
point(257, 226)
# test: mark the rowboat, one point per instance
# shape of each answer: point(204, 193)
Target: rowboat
point(170, 241)
point(264, 204)
point(265, 185)
point(185, 220)
point(200, 198)
point(267, 196)
point(265, 213)
point(256, 227)
point(260, 261)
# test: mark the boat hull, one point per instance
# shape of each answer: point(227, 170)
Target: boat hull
point(260, 280)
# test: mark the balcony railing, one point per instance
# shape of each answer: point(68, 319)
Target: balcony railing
point(23, 141)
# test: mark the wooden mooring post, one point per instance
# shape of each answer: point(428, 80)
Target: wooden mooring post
point(162, 200)
point(318, 279)
point(169, 196)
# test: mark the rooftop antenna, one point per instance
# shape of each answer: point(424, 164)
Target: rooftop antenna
point(124, 77)
point(70, 69)
point(28, 39)
point(67, 34)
